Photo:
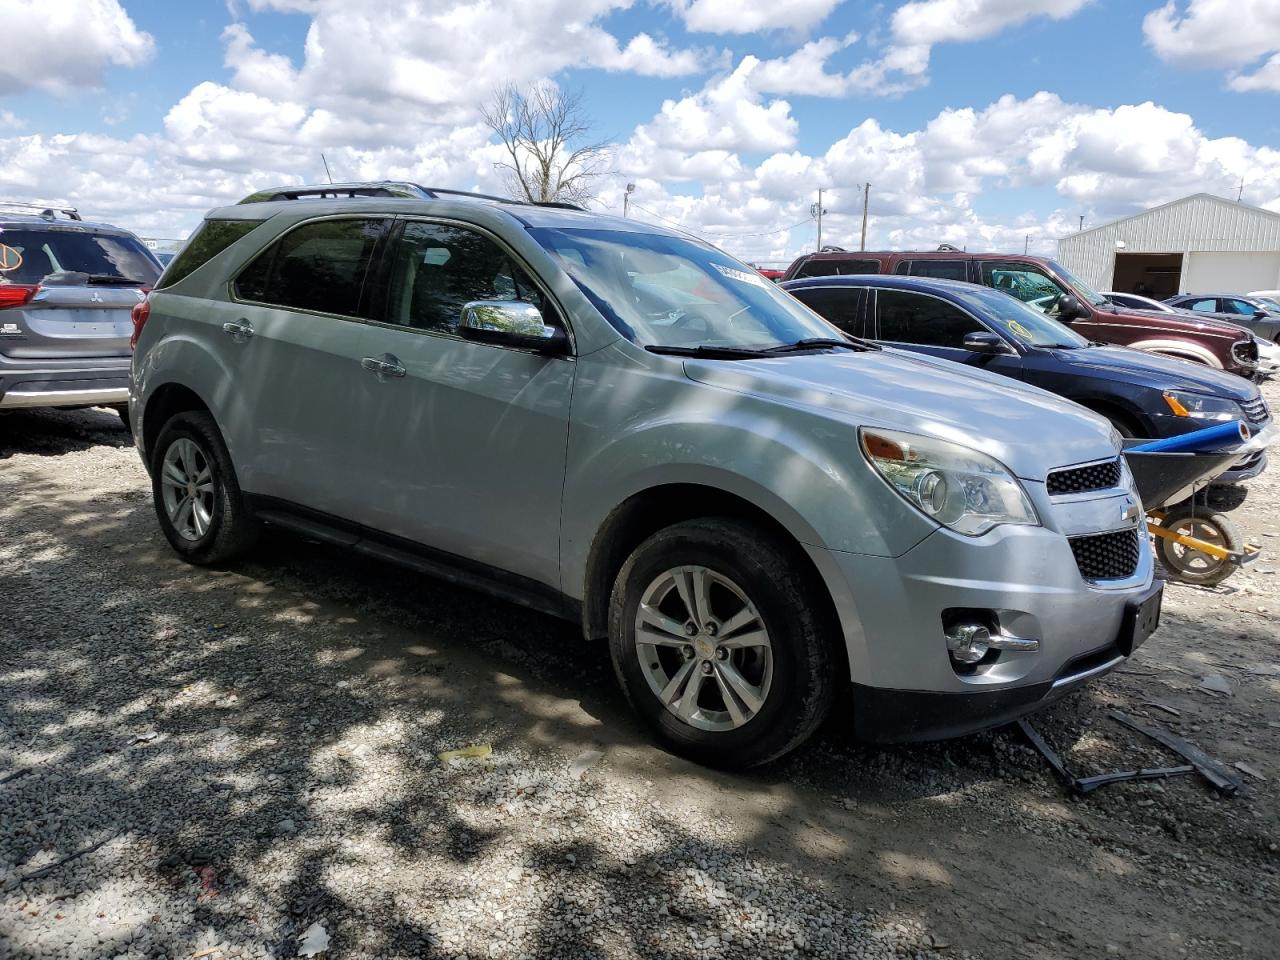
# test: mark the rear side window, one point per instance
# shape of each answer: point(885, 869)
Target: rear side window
point(59, 255)
point(942, 269)
point(838, 305)
point(319, 266)
point(837, 268)
point(209, 240)
point(919, 319)
point(1203, 306)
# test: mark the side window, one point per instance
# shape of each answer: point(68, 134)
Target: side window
point(817, 268)
point(437, 268)
point(838, 305)
point(209, 240)
point(1208, 305)
point(927, 321)
point(319, 266)
point(853, 268)
point(942, 269)
point(1240, 307)
point(1025, 281)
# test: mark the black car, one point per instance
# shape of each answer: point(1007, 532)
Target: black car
point(1142, 394)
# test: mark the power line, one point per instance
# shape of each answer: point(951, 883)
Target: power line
point(732, 236)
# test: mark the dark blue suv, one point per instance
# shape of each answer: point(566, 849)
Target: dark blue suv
point(1142, 394)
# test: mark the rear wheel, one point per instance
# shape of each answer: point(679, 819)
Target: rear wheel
point(1189, 564)
point(197, 498)
point(721, 644)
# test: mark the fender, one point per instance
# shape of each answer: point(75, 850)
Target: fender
point(1182, 349)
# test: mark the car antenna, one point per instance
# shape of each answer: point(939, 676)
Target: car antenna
point(326, 168)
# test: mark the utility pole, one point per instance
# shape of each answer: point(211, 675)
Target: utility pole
point(626, 198)
point(866, 198)
point(1082, 223)
point(1240, 195)
point(815, 210)
point(1026, 246)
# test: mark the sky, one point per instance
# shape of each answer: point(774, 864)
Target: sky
point(988, 124)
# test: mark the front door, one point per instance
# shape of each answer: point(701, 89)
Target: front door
point(927, 324)
point(464, 443)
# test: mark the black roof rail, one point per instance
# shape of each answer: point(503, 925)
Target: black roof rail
point(45, 210)
point(386, 188)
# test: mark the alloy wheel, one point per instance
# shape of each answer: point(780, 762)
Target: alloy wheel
point(186, 478)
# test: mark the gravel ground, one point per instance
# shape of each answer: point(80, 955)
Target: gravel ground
point(245, 762)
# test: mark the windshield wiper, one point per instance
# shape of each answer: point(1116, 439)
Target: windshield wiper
point(708, 352)
point(816, 343)
point(111, 278)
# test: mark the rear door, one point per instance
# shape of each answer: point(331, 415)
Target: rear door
point(66, 290)
point(289, 339)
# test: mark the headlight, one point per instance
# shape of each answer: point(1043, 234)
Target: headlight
point(1200, 407)
point(958, 487)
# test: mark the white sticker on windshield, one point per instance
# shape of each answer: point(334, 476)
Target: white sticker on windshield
point(742, 275)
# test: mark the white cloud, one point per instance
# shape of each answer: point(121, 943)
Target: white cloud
point(57, 47)
point(11, 120)
point(751, 16)
point(1212, 34)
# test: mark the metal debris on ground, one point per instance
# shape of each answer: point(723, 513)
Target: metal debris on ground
point(1219, 776)
point(1216, 684)
point(314, 940)
point(1080, 786)
point(1245, 768)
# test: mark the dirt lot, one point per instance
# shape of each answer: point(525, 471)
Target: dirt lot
point(244, 763)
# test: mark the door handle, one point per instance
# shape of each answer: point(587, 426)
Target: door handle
point(384, 366)
point(240, 330)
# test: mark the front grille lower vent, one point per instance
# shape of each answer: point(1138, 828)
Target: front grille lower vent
point(1107, 556)
point(1096, 476)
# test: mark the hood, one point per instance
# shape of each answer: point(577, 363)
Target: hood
point(1163, 373)
point(1027, 429)
point(1182, 321)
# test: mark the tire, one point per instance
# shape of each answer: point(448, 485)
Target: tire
point(224, 528)
point(1189, 565)
point(1124, 426)
point(755, 579)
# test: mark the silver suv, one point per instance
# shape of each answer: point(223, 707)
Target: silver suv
point(66, 290)
point(629, 428)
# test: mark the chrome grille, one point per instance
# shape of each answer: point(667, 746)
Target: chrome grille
point(1256, 410)
point(1096, 476)
point(1107, 556)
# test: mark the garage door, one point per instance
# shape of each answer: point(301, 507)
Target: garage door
point(1231, 272)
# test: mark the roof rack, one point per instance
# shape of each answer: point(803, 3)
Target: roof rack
point(386, 188)
point(44, 210)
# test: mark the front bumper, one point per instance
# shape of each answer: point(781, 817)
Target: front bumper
point(24, 388)
point(1025, 580)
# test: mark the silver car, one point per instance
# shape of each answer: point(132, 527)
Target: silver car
point(66, 290)
point(631, 429)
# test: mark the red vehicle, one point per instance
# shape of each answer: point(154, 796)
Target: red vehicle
point(769, 273)
point(1050, 287)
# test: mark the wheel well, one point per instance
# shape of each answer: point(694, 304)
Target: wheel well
point(169, 399)
point(645, 513)
point(1116, 414)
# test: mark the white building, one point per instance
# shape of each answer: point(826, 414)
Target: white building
point(1199, 244)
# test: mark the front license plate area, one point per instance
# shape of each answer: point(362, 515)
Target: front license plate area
point(1141, 619)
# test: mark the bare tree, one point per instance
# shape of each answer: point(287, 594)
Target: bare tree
point(544, 132)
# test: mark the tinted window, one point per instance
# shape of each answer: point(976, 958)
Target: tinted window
point(924, 320)
point(1026, 281)
point(837, 268)
point(319, 266)
point(209, 240)
point(71, 255)
point(839, 305)
point(436, 269)
point(943, 269)
point(1209, 305)
point(1241, 307)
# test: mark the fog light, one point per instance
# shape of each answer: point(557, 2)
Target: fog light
point(968, 643)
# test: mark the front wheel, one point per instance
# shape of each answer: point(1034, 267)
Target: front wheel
point(1189, 564)
point(197, 498)
point(721, 643)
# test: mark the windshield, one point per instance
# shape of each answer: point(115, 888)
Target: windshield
point(660, 290)
point(1025, 323)
point(58, 255)
point(1081, 288)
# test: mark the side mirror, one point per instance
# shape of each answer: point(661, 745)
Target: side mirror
point(1070, 308)
point(1260, 314)
point(510, 323)
point(983, 342)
